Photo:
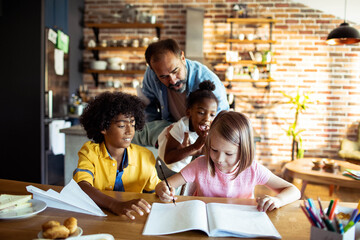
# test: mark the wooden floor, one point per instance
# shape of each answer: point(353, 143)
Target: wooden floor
point(319, 190)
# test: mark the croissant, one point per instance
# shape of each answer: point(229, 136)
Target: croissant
point(71, 224)
point(56, 232)
point(49, 224)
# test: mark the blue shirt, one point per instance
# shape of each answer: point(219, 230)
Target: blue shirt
point(156, 91)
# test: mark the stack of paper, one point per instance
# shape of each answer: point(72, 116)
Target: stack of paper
point(352, 173)
point(71, 198)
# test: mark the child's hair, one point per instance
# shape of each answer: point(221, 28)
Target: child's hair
point(104, 108)
point(236, 128)
point(205, 90)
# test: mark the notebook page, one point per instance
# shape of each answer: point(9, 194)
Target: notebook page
point(240, 221)
point(166, 218)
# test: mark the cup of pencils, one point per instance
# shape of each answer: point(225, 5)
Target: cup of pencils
point(328, 223)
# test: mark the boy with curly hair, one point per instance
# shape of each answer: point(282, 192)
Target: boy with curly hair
point(110, 161)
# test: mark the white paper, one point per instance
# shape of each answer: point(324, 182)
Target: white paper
point(57, 139)
point(168, 218)
point(215, 219)
point(71, 198)
point(59, 61)
point(224, 220)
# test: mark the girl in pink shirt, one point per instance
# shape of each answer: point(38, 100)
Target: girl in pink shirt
point(228, 168)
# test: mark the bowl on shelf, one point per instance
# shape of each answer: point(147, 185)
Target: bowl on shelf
point(98, 65)
point(114, 60)
point(114, 66)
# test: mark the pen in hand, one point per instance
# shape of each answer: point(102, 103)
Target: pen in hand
point(167, 184)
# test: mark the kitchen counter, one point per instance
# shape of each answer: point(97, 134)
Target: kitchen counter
point(74, 130)
point(75, 137)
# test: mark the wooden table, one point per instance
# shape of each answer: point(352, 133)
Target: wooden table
point(302, 169)
point(288, 220)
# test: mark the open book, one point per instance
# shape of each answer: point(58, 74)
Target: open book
point(215, 219)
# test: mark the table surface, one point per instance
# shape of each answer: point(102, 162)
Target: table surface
point(302, 168)
point(289, 220)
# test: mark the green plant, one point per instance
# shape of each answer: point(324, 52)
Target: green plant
point(299, 103)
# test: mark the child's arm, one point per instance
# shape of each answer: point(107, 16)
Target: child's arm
point(287, 193)
point(175, 151)
point(163, 191)
point(114, 205)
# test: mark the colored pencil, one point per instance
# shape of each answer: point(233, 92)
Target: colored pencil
point(307, 215)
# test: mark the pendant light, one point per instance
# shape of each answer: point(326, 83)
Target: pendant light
point(344, 34)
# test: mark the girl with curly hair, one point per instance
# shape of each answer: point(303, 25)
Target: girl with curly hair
point(110, 161)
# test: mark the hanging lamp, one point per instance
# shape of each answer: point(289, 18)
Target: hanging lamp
point(344, 34)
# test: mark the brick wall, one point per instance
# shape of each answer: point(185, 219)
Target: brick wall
point(330, 73)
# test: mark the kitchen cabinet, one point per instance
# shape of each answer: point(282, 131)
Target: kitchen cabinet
point(98, 48)
point(256, 61)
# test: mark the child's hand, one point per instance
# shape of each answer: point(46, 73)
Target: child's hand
point(127, 208)
point(163, 192)
point(267, 202)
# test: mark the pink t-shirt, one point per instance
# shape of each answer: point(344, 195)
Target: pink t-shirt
point(222, 184)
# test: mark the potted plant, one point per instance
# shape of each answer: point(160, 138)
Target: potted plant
point(299, 103)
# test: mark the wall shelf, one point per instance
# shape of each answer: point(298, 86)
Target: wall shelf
point(116, 48)
point(253, 23)
point(95, 50)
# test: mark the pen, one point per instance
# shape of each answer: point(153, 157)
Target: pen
point(167, 184)
point(332, 212)
point(329, 207)
point(351, 220)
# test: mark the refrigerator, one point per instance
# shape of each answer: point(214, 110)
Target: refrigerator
point(56, 87)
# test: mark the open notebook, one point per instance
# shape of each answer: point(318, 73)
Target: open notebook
point(215, 219)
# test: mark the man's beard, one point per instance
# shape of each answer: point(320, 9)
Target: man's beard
point(178, 83)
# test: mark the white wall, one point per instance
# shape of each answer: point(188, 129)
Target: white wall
point(336, 7)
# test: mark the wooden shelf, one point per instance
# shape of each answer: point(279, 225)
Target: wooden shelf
point(124, 25)
point(250, 80)
point(251, 20)
point(250, 62)
point(129, 72)
point(116, 48)
point(229, 40)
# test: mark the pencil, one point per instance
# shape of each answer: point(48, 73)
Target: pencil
point(167, 184)
point(322, 213)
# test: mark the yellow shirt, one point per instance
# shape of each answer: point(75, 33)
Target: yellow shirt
point(99, 169)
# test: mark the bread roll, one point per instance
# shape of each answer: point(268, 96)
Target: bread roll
point(56, 232)
point(50, 224)
point(71, 224)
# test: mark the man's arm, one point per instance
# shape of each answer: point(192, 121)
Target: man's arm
point(149, 91)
